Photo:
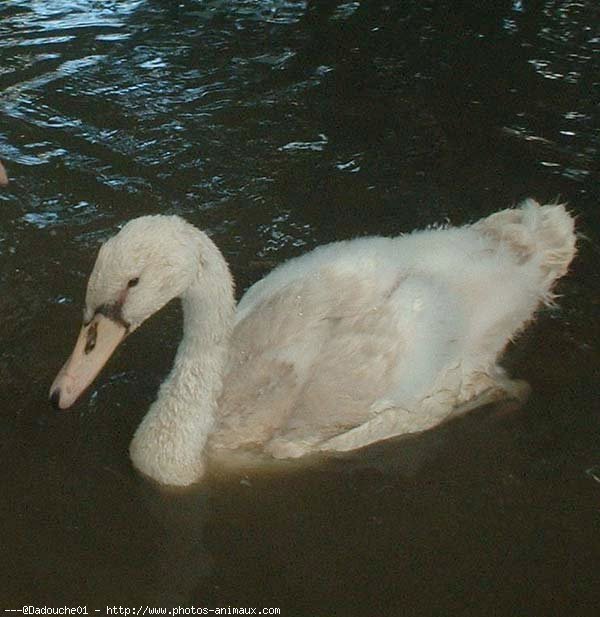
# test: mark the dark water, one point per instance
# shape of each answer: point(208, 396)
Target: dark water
point(278, 126)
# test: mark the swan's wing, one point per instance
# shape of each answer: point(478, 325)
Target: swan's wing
point(311, 360)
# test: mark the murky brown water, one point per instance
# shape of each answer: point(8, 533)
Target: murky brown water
point(278, 127)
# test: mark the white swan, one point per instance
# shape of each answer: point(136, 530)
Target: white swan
point(352, 343)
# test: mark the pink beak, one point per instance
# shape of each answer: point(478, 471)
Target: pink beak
point(95, 344)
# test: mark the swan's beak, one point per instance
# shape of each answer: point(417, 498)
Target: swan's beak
point(96, 343)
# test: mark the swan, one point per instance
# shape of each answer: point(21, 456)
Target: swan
point(354, 342)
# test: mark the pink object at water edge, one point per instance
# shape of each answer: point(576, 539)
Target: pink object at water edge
point(3, 175)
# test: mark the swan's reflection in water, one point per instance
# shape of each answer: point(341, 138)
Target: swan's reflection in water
point(180, 551)
point(216, 541)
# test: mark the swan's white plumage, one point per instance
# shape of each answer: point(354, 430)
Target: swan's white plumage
point(352, 343)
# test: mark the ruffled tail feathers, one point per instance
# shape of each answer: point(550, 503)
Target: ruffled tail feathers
point(543, 234)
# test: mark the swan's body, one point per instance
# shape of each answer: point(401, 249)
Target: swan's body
point(350, 344)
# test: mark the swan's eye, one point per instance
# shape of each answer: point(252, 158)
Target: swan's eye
point(133, 282)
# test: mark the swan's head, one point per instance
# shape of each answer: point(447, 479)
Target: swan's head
point(152, 260)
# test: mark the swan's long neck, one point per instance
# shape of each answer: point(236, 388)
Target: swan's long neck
point(169, 443)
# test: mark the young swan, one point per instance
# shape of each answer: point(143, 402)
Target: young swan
point(352, 343)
